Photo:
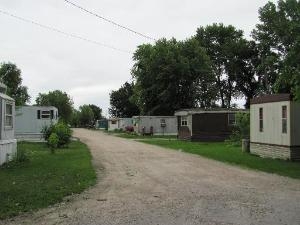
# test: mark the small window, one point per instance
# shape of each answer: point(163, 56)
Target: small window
point(284, 119)
point(261, 121)
point(231, 118)
point(8, 115)
point(184, 121)
point(113, 122)
point(46, 114)
point(162, 122)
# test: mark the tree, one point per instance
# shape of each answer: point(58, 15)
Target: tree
point(11, 77)
point(121, 102)
point(218, 41)
point(97, 111)
point(61, 100)
point(86, 116)
point(278, 37)
point(170, 75)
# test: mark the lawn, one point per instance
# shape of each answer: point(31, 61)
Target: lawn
point(233, 155)
point(45, 179)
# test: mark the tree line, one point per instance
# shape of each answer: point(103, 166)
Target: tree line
point(215, 66)
point(85, 116)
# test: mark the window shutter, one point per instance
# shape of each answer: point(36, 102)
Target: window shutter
point(39, 114)
point(52, 114)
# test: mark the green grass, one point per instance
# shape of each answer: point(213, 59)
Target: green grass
point(233, 155)
point(45, 179)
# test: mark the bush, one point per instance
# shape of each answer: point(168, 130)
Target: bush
point(241, 130)
point(62, 131)
point(53, 142)
point(129, 129)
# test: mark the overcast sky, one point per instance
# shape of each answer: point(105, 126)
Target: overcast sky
point(88, 72)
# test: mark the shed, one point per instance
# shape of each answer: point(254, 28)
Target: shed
point(101, 124)
point(8, 143)
point(113, 124)
point(156, 125)
point(30, 121)
point(205, 125)
point(275, 127)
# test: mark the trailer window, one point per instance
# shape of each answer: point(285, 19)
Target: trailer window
point(184, 121)
point(231, 118)
point(46, 114)
point(284, 119)
point(8, 115)
point(261, 120)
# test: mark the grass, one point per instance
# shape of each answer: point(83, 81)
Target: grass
point(233, 155)
point(45, 178)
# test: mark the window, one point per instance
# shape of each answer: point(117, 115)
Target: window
point(162, 122)
point(261, 121)
point(231, 118)
point(284, 119)
point(184, 121)
point(8, 115)
point(46, 114)
point(113, 122)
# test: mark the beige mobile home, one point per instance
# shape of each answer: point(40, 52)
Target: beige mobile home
point(30, 121)
point(275, 127)
point(155, 125)
point(8, 143)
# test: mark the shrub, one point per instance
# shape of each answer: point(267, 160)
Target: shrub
point(241, 130)
point(62, 131)
point(53, 142)
point(129, 128)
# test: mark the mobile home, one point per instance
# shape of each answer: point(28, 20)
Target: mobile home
point(205, 125)
point(30, 121)
point(275, 127)
point(155, 125)
point(8, 143)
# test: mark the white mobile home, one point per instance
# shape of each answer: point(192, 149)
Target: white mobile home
point(275, 127)
point(113, 124)
point(30, 121)
point(8, 143)
point(155, 125)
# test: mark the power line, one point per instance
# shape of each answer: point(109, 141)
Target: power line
point(62, 32)
point(109, 21)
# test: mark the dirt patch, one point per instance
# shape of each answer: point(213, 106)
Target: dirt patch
point(145, 184)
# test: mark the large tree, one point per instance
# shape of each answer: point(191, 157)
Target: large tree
point(10, 75)
point(86, 116)
point(170, 75)
point(61, 100)
point(121, 104)
point(219, 41)
point(97, 111)
point(278, 37)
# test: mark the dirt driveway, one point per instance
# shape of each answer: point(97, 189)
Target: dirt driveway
point(144, 184)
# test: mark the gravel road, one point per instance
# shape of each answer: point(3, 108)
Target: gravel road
point(143, 184)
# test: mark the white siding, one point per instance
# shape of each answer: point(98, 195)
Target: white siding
point(111, 126)
point(8, 148)
point(295, 124)
point(272, 123)
point(27, 123)
point(154, 121)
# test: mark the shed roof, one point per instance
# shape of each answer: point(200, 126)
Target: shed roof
point(192, 111)
point(271, 98)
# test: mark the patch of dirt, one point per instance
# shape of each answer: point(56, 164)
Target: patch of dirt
point(145, 184)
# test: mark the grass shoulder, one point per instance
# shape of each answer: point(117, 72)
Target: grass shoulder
point(233, 155)
point(45, 178)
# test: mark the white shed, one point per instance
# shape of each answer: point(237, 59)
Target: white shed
point(8, 143)
point(156, 125)
point(275, 127)
point(30, 121)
